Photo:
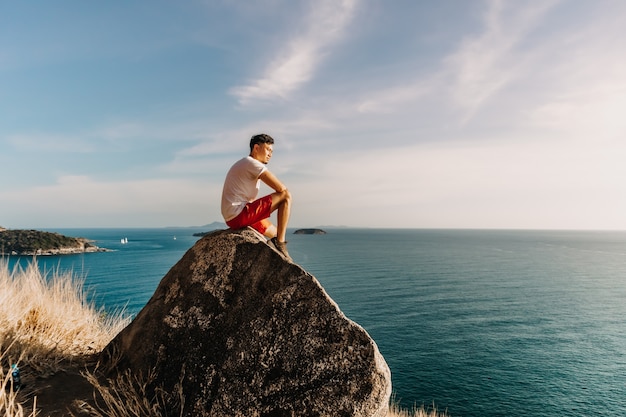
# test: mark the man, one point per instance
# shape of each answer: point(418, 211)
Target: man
point(240, 207)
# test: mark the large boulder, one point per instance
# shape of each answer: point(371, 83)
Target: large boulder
point(240, 331)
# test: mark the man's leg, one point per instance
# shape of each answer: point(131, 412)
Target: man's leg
point(281, 201)
point(270, 229)
point(256, 215)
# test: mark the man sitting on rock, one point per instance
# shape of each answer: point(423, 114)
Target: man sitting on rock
point(240, 207)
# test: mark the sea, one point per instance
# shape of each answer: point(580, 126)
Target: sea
point(473, 322)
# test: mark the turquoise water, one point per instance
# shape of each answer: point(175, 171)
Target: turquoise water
point(481, 323)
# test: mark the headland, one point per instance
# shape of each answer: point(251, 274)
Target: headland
point(36, 243)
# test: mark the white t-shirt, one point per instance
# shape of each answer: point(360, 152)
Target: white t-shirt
point(241, 186)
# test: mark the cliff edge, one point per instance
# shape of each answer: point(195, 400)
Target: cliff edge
point(234, 329)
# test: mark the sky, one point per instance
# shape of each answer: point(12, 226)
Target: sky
point(391, 114)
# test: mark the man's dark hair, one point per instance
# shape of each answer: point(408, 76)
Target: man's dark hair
point(262, 138)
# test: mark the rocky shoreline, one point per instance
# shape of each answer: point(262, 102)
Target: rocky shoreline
point(60, 251)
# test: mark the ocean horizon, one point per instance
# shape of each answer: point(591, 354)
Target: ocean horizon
point(488, 322)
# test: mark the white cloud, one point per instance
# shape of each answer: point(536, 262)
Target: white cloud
point(296, 63)
point(483, 64)
point(390, 99)
point(581, 82)
point(486, 63)
point(539, 182)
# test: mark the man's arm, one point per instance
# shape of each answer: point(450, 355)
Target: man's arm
point(270, 179)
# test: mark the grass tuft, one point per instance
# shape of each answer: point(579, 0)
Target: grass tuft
point(47, 319)
point(396, 411)
point(9, 404)
point(124, 396)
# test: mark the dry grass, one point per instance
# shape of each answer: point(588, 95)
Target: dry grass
point(9, 404)
point(396, 411)
point(46, 321)
point(128, 395)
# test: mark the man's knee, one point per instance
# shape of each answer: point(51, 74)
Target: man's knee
point(284, 196)
point(280, 199)
point(287, 195)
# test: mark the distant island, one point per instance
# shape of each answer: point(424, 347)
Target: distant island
point(297, 232)
point(211, 227)
point(309, 232)
point(218, 225)
point(34, 242)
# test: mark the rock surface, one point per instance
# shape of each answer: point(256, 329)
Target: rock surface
point(242, 332)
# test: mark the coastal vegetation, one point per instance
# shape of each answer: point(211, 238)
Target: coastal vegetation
point(35, 242)
point(47, 326)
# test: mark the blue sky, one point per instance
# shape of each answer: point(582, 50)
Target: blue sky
point(434, 114)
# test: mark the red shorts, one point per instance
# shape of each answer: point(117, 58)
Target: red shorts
point(253, 215)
